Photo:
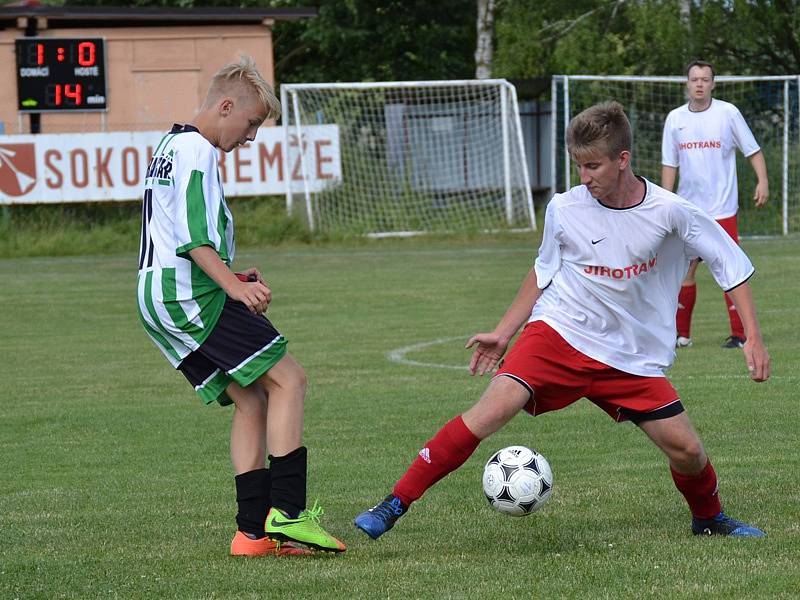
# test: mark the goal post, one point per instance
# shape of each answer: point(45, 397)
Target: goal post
point(406, 157)
point(769, 104)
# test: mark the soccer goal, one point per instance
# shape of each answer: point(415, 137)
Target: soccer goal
point(406, 157)
point(768, 104)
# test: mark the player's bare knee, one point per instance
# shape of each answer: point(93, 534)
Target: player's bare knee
point(286, 375)
point(503, 399)
point(295, 377)
point(690, 456)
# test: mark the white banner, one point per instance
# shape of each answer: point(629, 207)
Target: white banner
point(82, 167)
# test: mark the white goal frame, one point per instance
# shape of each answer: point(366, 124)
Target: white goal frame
point(511, 133)
point(561, 107)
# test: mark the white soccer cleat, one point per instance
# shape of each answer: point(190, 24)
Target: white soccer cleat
point(683, 342)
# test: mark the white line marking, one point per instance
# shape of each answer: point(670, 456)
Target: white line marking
point(399, 355)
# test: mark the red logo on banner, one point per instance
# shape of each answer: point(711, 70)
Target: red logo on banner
point(17, 168)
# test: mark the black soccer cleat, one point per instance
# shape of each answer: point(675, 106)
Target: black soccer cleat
point(734, 341)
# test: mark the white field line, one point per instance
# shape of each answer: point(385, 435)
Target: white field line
point(398, 355)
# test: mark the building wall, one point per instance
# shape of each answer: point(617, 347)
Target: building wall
point(154, 75)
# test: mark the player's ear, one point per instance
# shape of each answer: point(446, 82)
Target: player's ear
point(624, 160)
point(225, 106)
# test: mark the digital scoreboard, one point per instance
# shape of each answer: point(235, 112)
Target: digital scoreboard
point(61, 74)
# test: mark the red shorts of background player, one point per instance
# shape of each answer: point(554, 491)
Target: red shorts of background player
point(556, 375)
point(731, 227)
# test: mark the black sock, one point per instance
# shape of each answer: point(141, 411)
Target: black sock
point(288, 481)
point(252, 503)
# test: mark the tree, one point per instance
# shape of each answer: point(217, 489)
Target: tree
point(377, 40)
point(750, 36)
point(539, 38)
point(646, 37)
point(485, 44)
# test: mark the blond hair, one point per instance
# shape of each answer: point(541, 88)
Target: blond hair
point(241, 75)
point(602, 127)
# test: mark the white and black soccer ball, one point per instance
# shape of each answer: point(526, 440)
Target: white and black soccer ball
point(517, 481)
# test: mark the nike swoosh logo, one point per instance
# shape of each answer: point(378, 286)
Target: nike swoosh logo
point(597, 241)
point(279, 524)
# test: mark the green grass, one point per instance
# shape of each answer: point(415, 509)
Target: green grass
point(99, 228)
point(116, 481)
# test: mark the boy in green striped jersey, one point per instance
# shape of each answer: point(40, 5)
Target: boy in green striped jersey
point(209, 322)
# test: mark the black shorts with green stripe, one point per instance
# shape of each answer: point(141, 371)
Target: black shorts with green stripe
point(241, 347)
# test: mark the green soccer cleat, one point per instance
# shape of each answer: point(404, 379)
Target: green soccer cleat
point(304, 529)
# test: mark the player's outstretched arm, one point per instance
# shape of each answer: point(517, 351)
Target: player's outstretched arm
point(255, 295)
point(759, 165)
point(492, 346)
point(755, 353)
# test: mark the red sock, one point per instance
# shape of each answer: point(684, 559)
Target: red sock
point(449, 448)
point(700, 491)
point(737, 328)
point(683, 318)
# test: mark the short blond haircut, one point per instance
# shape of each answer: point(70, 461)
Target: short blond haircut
point(240, 75)
point(603, 127)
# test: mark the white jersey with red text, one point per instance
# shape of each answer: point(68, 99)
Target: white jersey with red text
point(702, 145)
point(183, 208)
point(610, 277)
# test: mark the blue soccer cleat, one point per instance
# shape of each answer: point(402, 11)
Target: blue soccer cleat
point(382, 517)
point(722, 524)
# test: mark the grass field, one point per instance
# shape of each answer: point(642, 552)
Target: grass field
point(116, 482)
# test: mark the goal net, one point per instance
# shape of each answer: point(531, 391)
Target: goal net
point(768, 104)
point(408, 157)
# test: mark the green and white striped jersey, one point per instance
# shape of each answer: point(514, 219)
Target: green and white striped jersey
point(183, 208)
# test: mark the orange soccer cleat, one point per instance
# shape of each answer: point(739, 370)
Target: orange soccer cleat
point(243, 545)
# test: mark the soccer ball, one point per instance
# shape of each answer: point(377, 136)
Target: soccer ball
point(517, 481)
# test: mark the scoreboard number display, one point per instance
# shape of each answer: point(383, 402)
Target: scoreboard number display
point(61, 74)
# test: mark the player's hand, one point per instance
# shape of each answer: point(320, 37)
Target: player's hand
point(255, 295)
point(762, 194)
point(757, 359)
point(488, 353)
point(254, 274)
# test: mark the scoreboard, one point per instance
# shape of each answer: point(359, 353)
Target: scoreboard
point(61, 74)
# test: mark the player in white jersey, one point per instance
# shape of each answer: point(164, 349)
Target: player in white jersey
point(700, 139)
point(209, 322)
point(599, 306)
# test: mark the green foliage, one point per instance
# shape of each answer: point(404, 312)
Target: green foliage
point(539, 38)
point(377, 40)
point(117, 481)
point(592, 36)
point(750, 36)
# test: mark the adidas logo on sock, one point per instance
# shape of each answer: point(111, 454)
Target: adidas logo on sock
point(425, 454)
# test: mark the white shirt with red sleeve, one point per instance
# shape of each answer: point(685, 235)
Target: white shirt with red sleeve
point(702, 146)
point(610, 277)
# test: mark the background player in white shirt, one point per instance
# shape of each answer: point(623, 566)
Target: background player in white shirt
point(209, 324)
point(599, 306)
point(701, 138)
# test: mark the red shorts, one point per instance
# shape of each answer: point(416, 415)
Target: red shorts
point(731, 227)
point(556, 374)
